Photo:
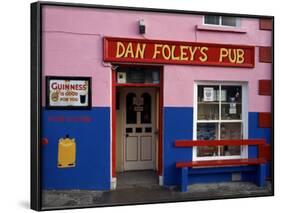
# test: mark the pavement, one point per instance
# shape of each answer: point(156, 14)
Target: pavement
point(142, 187)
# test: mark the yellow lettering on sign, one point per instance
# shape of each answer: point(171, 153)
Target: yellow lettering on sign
point(120, 50)
point(129, 50)
point(204, 56)
point(156, 51)
point(140, 50)
point(183, 52)
point(173, 53)
point(192, 52)
point(240, 56)
point(223, 53)
point(232, 55)
point(235, 56)
point(166, 52)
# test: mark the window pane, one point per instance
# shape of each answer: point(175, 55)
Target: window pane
point(207, 131)
point(138, 75)
point(208, 103)
point(229, 21)
point(231, 105)
point(231, 131)
point(212, 20)
point(131, 114)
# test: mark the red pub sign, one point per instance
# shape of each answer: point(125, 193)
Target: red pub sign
point(176, 52)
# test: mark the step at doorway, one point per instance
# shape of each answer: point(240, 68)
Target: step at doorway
point(140, 178)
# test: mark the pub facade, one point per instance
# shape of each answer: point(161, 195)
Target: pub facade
point(185, 96)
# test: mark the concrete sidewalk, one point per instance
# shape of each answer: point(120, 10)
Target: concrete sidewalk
point(149, 194)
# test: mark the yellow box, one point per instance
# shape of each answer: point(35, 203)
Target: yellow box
point(66, 152)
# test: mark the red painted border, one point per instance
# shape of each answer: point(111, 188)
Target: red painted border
point(160, 134)
point(190, 143)
point(265, 54)
point(107, 50)
point(264, 120)
point(137, 85)
point(124, 39)
point(265, 87)
point(113, 129)
point(113, 113)
point(265, 24)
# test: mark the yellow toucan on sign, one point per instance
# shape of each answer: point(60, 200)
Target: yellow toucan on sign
point(66, 152)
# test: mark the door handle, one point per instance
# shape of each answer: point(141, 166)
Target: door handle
point(127, 135)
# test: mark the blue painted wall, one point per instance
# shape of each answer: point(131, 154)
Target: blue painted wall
point(178, 124)
point(92, 170)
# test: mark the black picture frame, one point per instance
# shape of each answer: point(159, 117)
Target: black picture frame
point(36, 95)
point(82, 78)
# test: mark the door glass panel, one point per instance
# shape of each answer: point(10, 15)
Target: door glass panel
point(129, 130)
point(146, 113)
point(148, 129)
point(131, 114)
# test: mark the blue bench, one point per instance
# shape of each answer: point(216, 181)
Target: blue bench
point(233, 165)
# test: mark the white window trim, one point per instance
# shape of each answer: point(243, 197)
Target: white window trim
point(244, 149)
point(238, 23)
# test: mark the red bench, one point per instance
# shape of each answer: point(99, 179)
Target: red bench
point(263, 156)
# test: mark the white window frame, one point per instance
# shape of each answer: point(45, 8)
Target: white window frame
point(244, 119)
point(238, 22)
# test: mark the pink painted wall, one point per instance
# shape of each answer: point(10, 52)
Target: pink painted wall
point(72, 45)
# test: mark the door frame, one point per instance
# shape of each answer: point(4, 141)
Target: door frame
point(113, 115)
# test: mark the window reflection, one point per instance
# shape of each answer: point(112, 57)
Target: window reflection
point(208, 131)
point(231, 131)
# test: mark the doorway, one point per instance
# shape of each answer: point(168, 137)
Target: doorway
point(139, 128)
point(137, 105)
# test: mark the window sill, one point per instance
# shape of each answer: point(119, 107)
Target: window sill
point(220, 29)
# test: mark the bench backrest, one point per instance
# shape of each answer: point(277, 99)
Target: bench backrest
point(264, 149)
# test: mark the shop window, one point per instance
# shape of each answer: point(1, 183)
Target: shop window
point(222, 20)
point(219, 116)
